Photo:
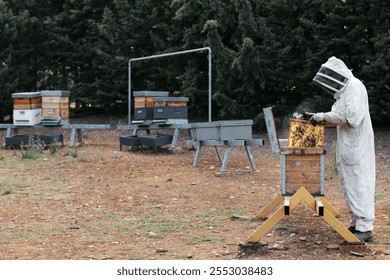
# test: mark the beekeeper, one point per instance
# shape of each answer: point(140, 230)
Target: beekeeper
point(355, 154)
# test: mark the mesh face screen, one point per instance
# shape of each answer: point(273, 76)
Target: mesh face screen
point(330, 80)
point(333, 74)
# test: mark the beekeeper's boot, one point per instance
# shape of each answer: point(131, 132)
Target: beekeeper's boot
point(364, 236)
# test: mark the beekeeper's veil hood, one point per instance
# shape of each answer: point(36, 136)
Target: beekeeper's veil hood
point(333, 76)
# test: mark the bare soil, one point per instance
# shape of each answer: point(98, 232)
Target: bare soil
point(94, 201)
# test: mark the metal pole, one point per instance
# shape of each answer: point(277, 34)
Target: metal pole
point(129, 94)
point(165, 55)
point(209, 57)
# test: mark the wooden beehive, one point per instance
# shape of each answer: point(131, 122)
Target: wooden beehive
point(27, 100)
point(302, 159)
point(27, 108)
point(303, 170)
point(144, 99)
point(55, 104)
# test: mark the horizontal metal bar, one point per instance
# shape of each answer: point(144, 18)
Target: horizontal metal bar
point(152, 126)
point(69, 126)
point(7, 125)
point(87, 126)
point(169, 54)
point(235, 143)
point(254, 142)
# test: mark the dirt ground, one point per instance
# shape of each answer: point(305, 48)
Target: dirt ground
point(94, 201)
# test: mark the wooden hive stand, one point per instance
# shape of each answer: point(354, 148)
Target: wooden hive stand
point(302, 180)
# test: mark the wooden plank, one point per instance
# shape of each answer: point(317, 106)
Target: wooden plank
point(304, 157)
point(303, 151)
point(64, 113)
point(313, 189)
point(64, 106)
point(265, 211)
point(339, 227)
point(160, 103)
point(34, 100)
point(27, 106)
point(177, 103)
point(303, 177)
point(149, 102)
point(139, 102)
point(302, 194)
point(330, 207)
point(50, 105)
point(64, 99)
point(303, 167)
point(51, 99)
point(266, 226)
point(51, 112)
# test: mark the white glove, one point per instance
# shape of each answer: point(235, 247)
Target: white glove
point(317, 118)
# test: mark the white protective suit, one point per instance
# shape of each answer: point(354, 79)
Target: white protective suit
point(355, 153)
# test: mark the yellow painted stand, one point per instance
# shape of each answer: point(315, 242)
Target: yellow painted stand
point(319, 205)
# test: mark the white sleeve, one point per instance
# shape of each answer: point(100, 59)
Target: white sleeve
point(355, 105)
point(335, 117)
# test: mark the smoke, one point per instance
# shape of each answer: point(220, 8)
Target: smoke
point(304, 111)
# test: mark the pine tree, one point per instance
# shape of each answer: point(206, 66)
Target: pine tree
point(8, 75)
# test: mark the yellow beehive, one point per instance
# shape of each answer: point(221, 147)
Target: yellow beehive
point(303, 134)
point(55, 104)
point(144, 99)
point(27, 100)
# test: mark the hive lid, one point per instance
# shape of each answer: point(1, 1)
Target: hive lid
point(26, 94)
point(151, 93)
point(55, 93)
point(223, 123)
point(172, 99)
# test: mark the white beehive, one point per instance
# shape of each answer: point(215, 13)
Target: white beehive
point(27, 108)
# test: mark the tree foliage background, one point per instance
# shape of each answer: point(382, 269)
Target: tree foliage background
point(264, 53)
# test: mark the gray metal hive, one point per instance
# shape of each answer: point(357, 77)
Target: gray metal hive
point(222, 130)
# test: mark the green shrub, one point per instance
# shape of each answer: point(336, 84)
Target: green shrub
point(33, 148)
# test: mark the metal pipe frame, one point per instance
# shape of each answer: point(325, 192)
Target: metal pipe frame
point(165, 55)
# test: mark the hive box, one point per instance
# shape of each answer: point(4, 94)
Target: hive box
point(170, 112)
point(27, 108)
point(27, 100)
point(303, 158)
point(144, 99)
point(303, 170)
point(222, 130)
point(24, 139)
point(302, 155)
point(129, 140)
point(170, 108)
point(155, 140)
point(55, 106)
point(143, 113)
point(27, 117)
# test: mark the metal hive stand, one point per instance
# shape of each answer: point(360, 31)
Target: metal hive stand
point(76, 129)
point(228, 145)
point(156, 126)
point(282, 204)
point(226, 134)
